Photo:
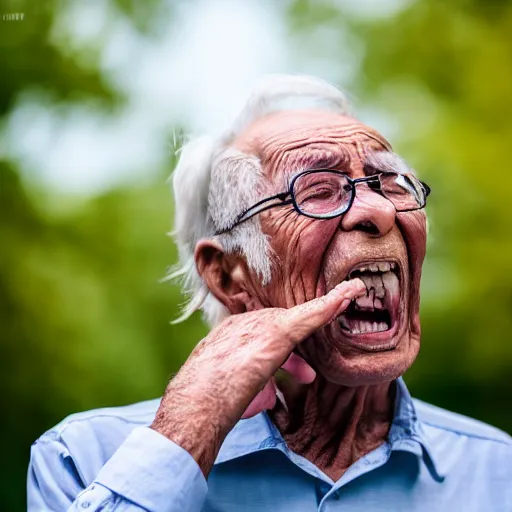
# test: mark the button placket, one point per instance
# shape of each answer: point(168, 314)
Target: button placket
point(96, 497)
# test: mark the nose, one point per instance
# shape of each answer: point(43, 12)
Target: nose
point(370, 212)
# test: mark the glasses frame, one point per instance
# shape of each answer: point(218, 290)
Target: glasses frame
point(373, 182)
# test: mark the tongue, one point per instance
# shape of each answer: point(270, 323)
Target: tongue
point(392, 287)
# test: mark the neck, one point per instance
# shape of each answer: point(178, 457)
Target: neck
point(333, 426)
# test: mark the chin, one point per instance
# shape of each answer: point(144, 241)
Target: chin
point(362, 368)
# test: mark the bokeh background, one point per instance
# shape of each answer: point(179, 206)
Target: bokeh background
point(94, 99)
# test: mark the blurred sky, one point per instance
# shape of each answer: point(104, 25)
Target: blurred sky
point(194, 72)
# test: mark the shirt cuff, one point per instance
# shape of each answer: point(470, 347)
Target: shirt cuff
point(155, 473)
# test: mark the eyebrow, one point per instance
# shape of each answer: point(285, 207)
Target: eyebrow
point(385, 161)
point(374, 162)
point(317, 159)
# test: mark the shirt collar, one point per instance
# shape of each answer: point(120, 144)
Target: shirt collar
point(406, 434)
point(249, 436)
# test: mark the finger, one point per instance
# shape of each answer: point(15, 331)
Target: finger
point(304, 319)
point(299, 369)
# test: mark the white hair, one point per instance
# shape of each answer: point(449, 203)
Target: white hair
point(213, 183)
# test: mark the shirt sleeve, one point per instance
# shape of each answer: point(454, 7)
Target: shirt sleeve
point(148, 472)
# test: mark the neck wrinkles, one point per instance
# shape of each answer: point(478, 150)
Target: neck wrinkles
point(333, 426)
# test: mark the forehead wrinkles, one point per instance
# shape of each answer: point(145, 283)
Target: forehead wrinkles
point(284, 154)
point(356, 134)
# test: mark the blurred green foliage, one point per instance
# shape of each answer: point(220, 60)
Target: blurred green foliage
point(84, 318)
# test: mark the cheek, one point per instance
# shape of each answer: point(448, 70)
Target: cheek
point(299, 245)
point(414, 229)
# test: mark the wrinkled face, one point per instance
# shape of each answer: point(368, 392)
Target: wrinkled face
point(378, 338)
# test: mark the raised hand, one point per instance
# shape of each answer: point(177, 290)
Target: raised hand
point(230, 372)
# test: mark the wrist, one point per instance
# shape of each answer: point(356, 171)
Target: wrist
point(199, 433)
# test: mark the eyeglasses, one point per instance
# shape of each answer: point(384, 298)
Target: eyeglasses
point(326, 193)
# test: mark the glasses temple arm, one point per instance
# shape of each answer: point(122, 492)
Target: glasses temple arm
point(247, 214)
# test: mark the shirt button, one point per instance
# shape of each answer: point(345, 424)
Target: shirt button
point(86, 504)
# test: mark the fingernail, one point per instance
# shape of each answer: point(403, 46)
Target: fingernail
point(359, 283)
point(353, 282)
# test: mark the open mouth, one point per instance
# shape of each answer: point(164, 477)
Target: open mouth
point(378, 310)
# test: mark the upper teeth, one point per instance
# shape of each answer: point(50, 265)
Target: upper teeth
point(378, 266)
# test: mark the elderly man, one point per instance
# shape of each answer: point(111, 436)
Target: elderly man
point(302, 237)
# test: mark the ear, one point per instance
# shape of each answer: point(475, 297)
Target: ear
point(225, 275)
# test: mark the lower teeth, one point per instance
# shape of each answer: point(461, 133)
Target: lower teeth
point(364, 326)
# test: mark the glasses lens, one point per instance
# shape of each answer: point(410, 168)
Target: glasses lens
point(322, 193)
point(404, 191)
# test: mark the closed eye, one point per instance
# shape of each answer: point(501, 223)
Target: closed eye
point(323, 193)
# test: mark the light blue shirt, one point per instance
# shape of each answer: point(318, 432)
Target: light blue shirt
point(109, 460)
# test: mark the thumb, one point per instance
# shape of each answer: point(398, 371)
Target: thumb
point(304, 319)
